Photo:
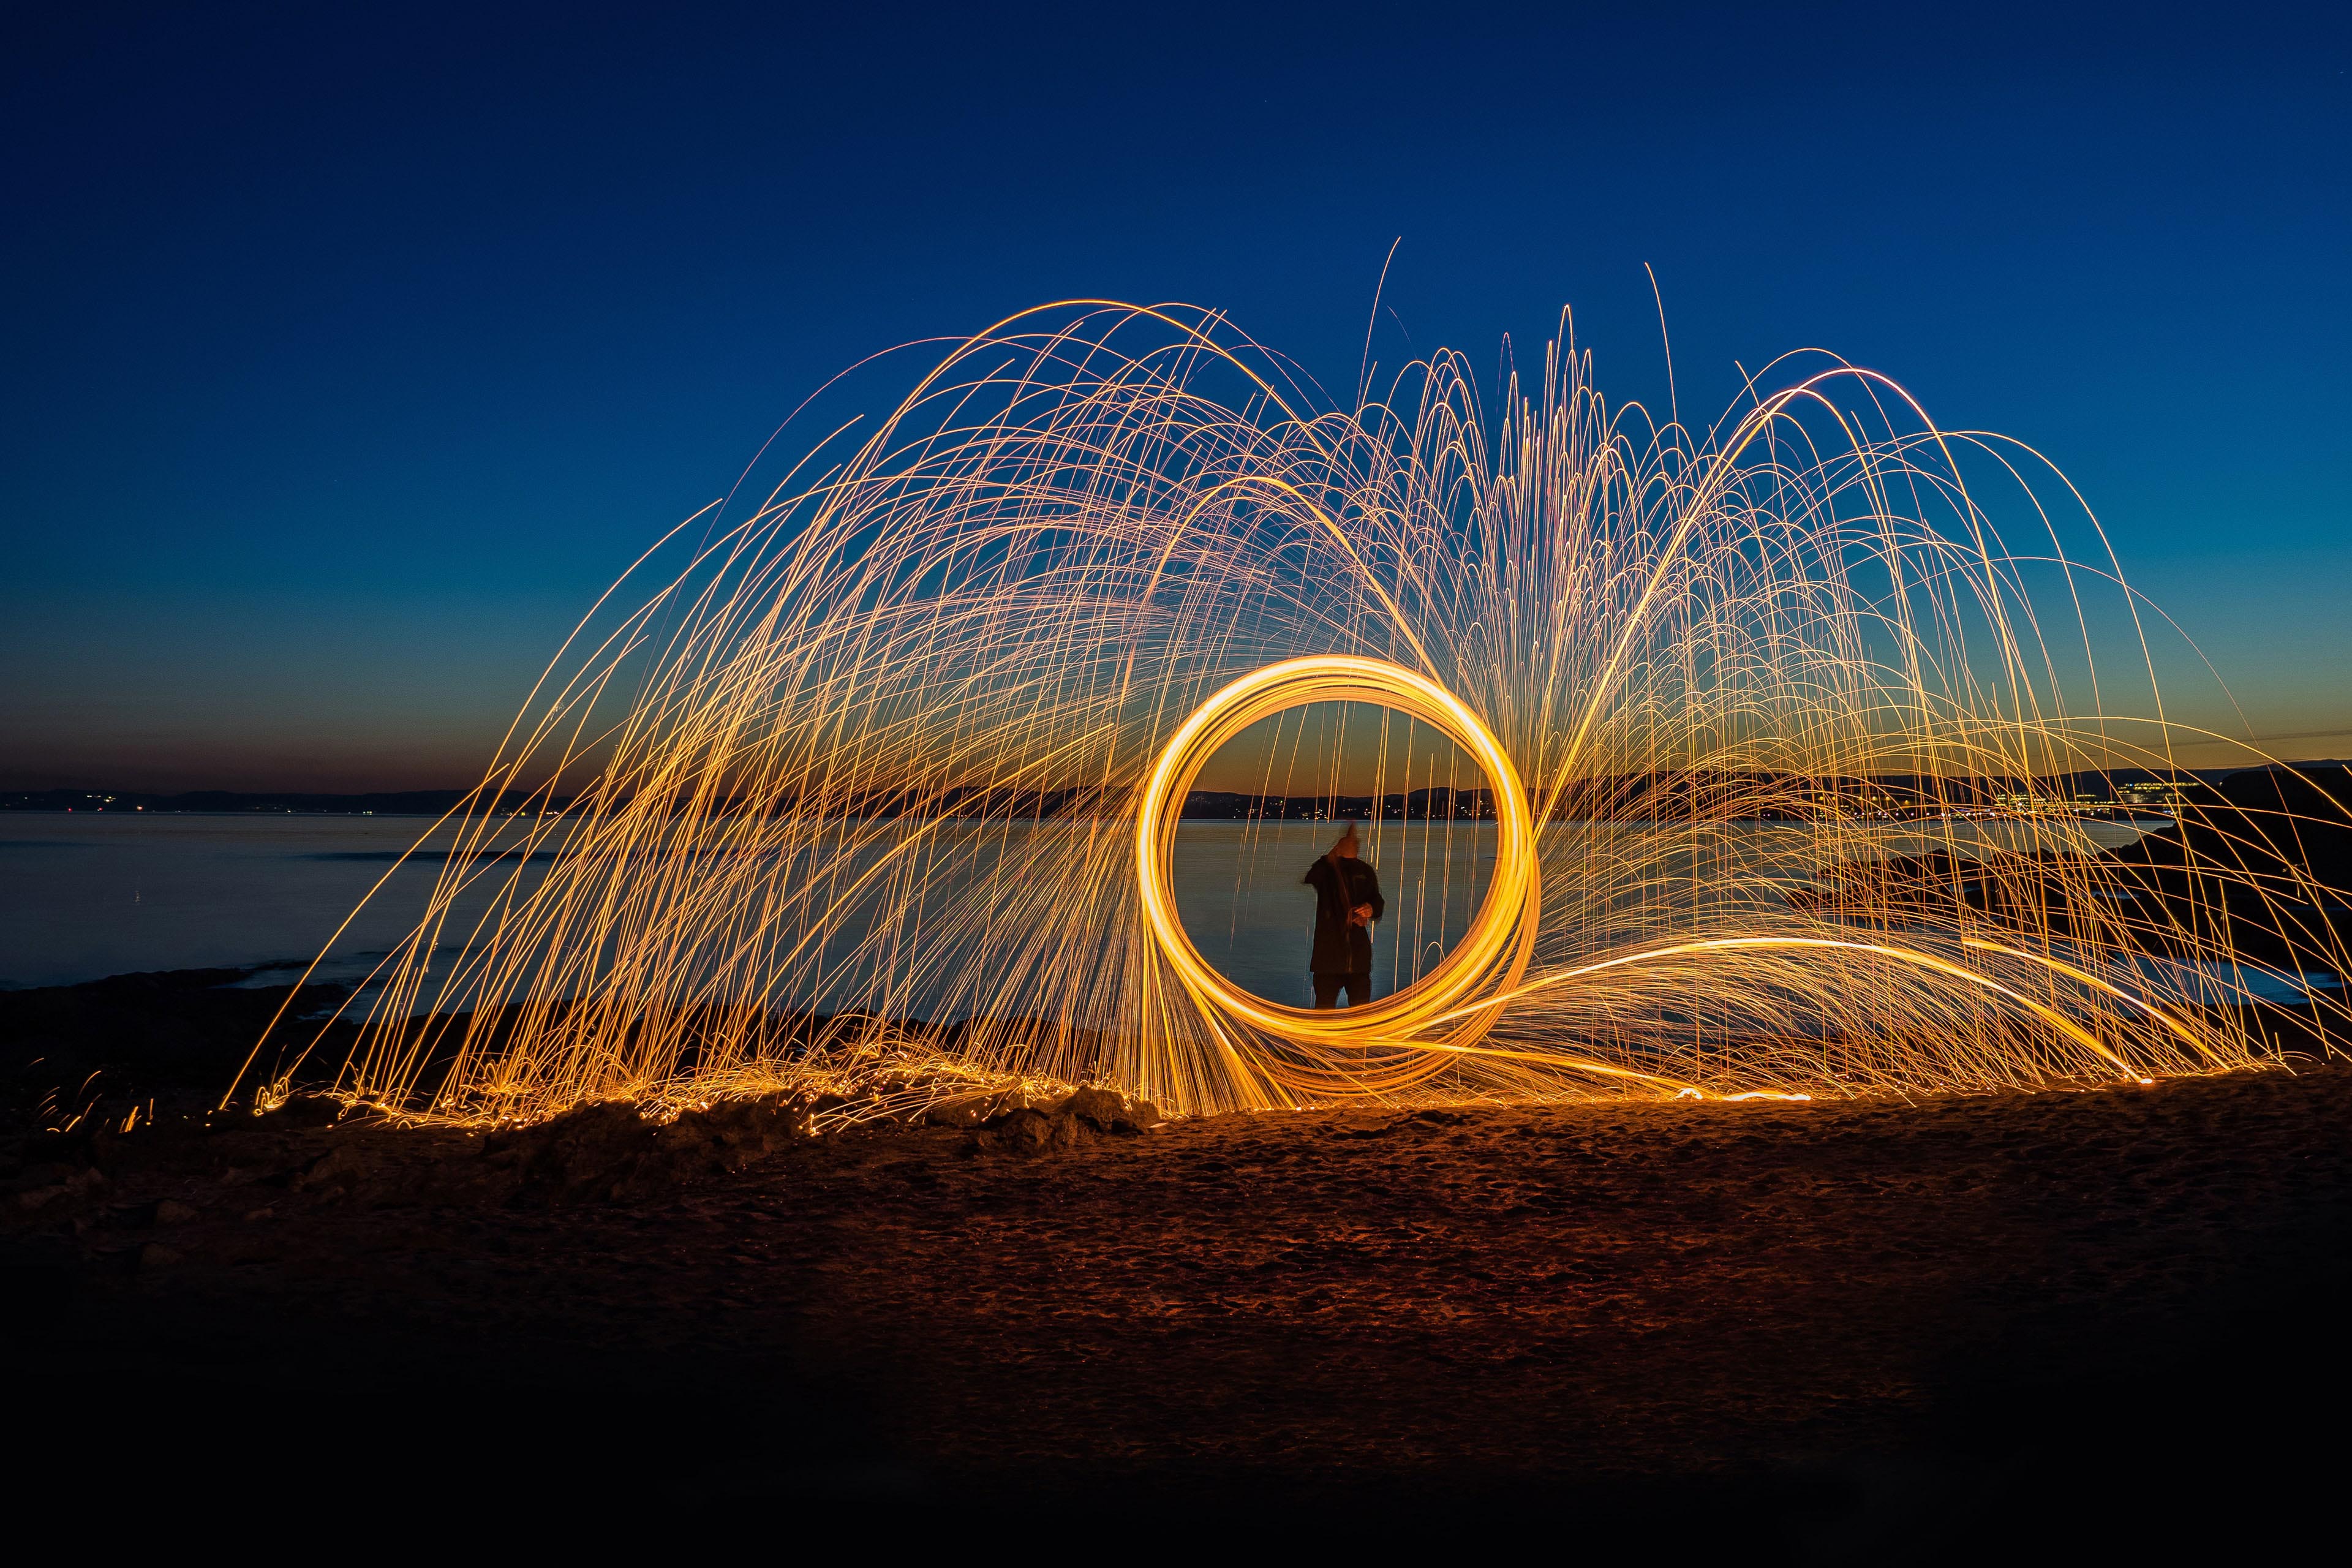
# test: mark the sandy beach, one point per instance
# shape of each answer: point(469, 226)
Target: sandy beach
point(1813, 1327)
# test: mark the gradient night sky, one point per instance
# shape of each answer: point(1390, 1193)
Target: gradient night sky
point(347, 358)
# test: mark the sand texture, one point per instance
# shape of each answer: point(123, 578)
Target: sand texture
point(1826, 1320)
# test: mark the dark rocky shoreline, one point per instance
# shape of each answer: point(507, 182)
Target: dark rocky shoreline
point(1828, 1331)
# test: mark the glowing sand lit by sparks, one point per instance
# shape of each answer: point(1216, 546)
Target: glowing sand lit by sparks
point(891, 767)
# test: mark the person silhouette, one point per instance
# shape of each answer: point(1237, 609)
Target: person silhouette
point(1347, 901)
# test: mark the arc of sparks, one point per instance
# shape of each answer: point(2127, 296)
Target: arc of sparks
point(889, 769)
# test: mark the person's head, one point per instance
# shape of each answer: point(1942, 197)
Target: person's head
point(1346, 849)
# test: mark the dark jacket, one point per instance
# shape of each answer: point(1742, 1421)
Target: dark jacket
point(1339, 886)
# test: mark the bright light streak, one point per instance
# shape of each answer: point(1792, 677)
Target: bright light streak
point(880, 785)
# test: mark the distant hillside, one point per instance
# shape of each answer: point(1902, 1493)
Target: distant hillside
point(394, 803)
point(1420, 805)
point(1629, 795)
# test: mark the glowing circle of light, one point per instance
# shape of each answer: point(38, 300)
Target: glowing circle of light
point(1491, 955)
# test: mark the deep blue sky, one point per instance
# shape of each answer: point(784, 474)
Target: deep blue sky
point(347, 358)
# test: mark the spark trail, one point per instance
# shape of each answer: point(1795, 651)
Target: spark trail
point(893, 757)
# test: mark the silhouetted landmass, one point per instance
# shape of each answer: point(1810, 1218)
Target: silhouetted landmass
point(383, 802)
point(2260, 863)
point(2282, 845)
point(1650, 796)
point(1417, 805)
point(1667, 795)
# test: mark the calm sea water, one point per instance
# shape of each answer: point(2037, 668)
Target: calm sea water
point(87, 895)
point(1240, 891)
